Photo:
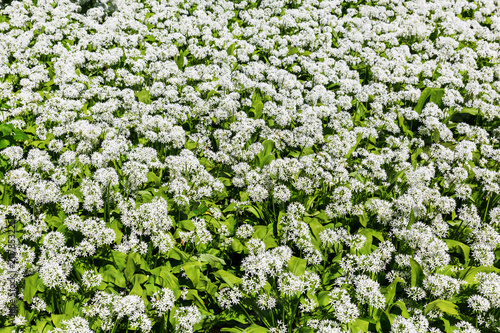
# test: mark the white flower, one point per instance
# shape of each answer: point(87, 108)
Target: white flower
point(229, 297)
point(19, 320)
point(163, 301)
point(91, 279)
point(478, 303)
point(186, 317)
point(368, 292)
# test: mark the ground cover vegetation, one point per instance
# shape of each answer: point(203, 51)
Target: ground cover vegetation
point(250, 166)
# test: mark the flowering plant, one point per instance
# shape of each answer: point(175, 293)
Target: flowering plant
point(249, 166)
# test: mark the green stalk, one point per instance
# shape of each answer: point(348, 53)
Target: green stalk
point(246, 313)
point(486, 210)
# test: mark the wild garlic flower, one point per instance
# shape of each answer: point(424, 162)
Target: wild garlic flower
point(344, 310)
point(163, 301)
point(229, 297)
point(186, 317)
point(368, 292)
point(90, 279)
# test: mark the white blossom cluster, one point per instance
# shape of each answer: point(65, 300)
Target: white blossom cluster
point(368, 132)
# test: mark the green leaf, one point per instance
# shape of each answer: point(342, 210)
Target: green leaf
point(359, 325)
point(436, 136)
point(383, 323)
point(205, 257)
point(6, 129)
point(4, 143)
point(471, 273)
point(129, 268)
point(390, 291)
point(402, 307)
point(292, 51)
point(192, 270)
point(139, 278)
point(111, 275)
point(323, 298)
point(116, 228)
point(445, 306)
point(255, 329)
point(179, 60)
point(58, 318)
point(353, 148)
point(30, 287)
point(228, 278)
point(414, 156)
point(164, 277)
point(471, 111)
point(305, 329)
point(152, 177)
point(316, 228)
point(297, 266)
point(40, 325)
point(434, 94)
point(259, 106)
point(19, 136)
point(230, 50)
point(119, 259)
point(458, 247)
point(417, 274)
point(137, 290)
point(143, 96)
point(69, 308)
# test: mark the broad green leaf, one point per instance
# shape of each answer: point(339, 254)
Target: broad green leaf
point(143, 96)
point(259, 106)
point(138, 278)
point(459, 247)
point(297, 266)
point(445, 306)
point(353, 148)
point(205, 257)
point(323, 298)
point(417, 274)
point(436, 136)
point(192, 270)
point(137, 290)
point(6, 129)
point(230, 50)
point(471, 111)
point(434, 94)
point(471, 273)
point(111, 275)
point(129, 268)
point(402, 307)
point(228, 278)
point(30, 287)
point(69, 307)
point(292, 51)
point(40, 325)
point(57, 319)
point(383, 323)
point(305, 329)
point(19, 136)
point(359, 325)
point(255, 329)
point(390, 291)
point(152, 177)
point(4, 143)
point(119, 234)
point(120, 259)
